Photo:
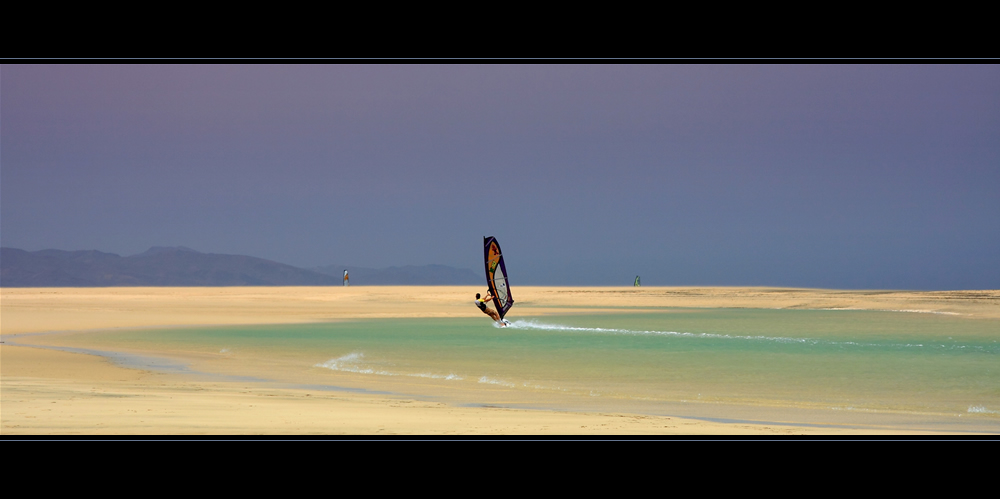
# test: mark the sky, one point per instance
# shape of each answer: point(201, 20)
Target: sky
point(851, 176)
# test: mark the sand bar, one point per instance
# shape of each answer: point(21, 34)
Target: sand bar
point(50, 392)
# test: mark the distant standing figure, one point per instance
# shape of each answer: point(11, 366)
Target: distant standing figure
point(347, 282)
point(481, 303)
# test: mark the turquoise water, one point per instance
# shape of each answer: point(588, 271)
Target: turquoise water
point(844, 365)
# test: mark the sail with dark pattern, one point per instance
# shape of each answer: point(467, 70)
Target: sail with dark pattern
point(496, 276)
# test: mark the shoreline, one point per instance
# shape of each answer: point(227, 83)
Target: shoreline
point(57, 309)
point(51, 392)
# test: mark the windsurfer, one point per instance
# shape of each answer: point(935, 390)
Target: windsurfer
point(481, 303)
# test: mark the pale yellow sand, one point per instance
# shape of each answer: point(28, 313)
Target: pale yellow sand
point(47, 392)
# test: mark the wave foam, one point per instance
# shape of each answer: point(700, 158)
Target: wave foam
point(351, 363)
point(912, 311)
point(491, 381)
point(437, 376)
point(981, 410)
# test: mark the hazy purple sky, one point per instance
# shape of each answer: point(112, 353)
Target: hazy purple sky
point(848, 176)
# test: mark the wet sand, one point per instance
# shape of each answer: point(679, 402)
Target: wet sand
point(51, 392)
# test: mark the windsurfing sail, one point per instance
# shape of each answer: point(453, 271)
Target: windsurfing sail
point(496, 276)
point(637, 282)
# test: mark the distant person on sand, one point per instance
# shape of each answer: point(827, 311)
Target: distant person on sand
point(481, 303)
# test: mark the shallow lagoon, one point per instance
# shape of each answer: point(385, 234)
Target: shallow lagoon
point(826, 367)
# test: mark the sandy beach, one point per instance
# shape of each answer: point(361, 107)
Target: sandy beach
point(46, 391)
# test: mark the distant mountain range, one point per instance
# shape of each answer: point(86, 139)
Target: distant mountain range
point(180, 266)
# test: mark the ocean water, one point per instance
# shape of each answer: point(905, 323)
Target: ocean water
point(817, 367)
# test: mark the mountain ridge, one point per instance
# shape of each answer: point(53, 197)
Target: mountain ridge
point(181, 266)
